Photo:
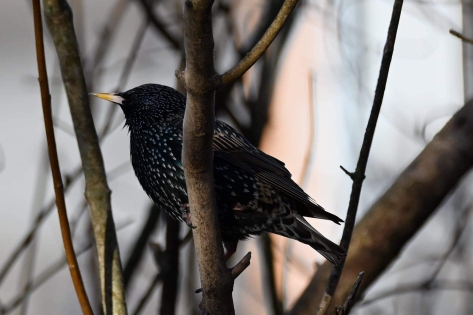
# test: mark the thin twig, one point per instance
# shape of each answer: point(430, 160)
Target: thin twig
point(46, 275)
point(43, 214)
point(268, 274)
point(461, 36)
point(30, 255)
point(346, 307)
point(359, 175)
point(454, 285)
point(162, 262)
point(54, 163)
point(463, 220)
point(26, 241)
point(241, 266)
point(144, 300)
point(238, 269)
point(141, 243)
point(59, 20)
point(169, 267)
point(258, 50)
point(159, 25)
point(106, 35)
point(126, 71)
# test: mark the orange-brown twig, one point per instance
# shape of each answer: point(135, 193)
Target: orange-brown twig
point(53, 159)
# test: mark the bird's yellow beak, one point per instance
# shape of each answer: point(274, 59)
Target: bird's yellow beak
point(111, 97)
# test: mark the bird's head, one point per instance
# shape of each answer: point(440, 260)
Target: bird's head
point(148, 102)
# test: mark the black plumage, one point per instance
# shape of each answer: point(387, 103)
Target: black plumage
point(255, 193)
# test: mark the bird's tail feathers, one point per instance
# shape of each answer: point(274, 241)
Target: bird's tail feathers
point(331, 251)
point(314, 210)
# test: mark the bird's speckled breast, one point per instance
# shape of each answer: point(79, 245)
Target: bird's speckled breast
point(156, 159)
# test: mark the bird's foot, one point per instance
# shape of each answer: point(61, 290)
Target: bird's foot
point(186, 215)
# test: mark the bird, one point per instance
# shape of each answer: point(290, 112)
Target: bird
point(254, 191)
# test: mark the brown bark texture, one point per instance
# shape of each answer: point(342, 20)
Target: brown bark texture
point(60, 23)
point(395, 218)
point(197, 157)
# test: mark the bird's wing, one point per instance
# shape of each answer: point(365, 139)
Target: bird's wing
point(233, 147)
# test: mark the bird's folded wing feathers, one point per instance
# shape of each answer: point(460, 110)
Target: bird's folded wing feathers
point(231, 146)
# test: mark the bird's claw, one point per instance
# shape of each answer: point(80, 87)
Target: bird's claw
point(186, 215)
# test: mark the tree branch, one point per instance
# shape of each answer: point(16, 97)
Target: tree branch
point(200, 81)
point(359, 175)
point(59, 20)
point(391, 222)
point(170, 268)
point(54, 162)
point(461, 36)
point(258, 50)
point(197, 157)
point(148, 8)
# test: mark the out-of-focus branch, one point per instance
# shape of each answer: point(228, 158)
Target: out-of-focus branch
point(258, 50)
point(432, 283)
point(54, 163)
point(148, 292)
point(447, 285)
point(59, 20)
point(170, 267)
point(141, 244)
point(359, 175)
point(163, 261)
point(391, 222)
point(148, 8)
point(125, 74)
point(461, 36)
point(46, 275)
point(346, 307)
point(268, 275)
point(40, 280)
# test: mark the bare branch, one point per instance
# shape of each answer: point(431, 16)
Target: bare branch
point(238, 269)
point(451, 285)
point(359, 175)
point(169, 267)
point(346, 307)
point(402, 210)
point(461, 36)
point(258, 50)
point(59, 20)
point(148, 8)
point(54, 163)
point(46, 275)
point(268, 274)
point(197, 157)
point(241, 266)
point(140, 244)
point(144, 299)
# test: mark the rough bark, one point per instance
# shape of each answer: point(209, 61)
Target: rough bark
point(197, 157)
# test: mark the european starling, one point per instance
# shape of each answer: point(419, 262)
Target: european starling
point(255, 193)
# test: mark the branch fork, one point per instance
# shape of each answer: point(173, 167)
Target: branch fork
point(238, 269)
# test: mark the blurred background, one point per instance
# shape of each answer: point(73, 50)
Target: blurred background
point(305, 102)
